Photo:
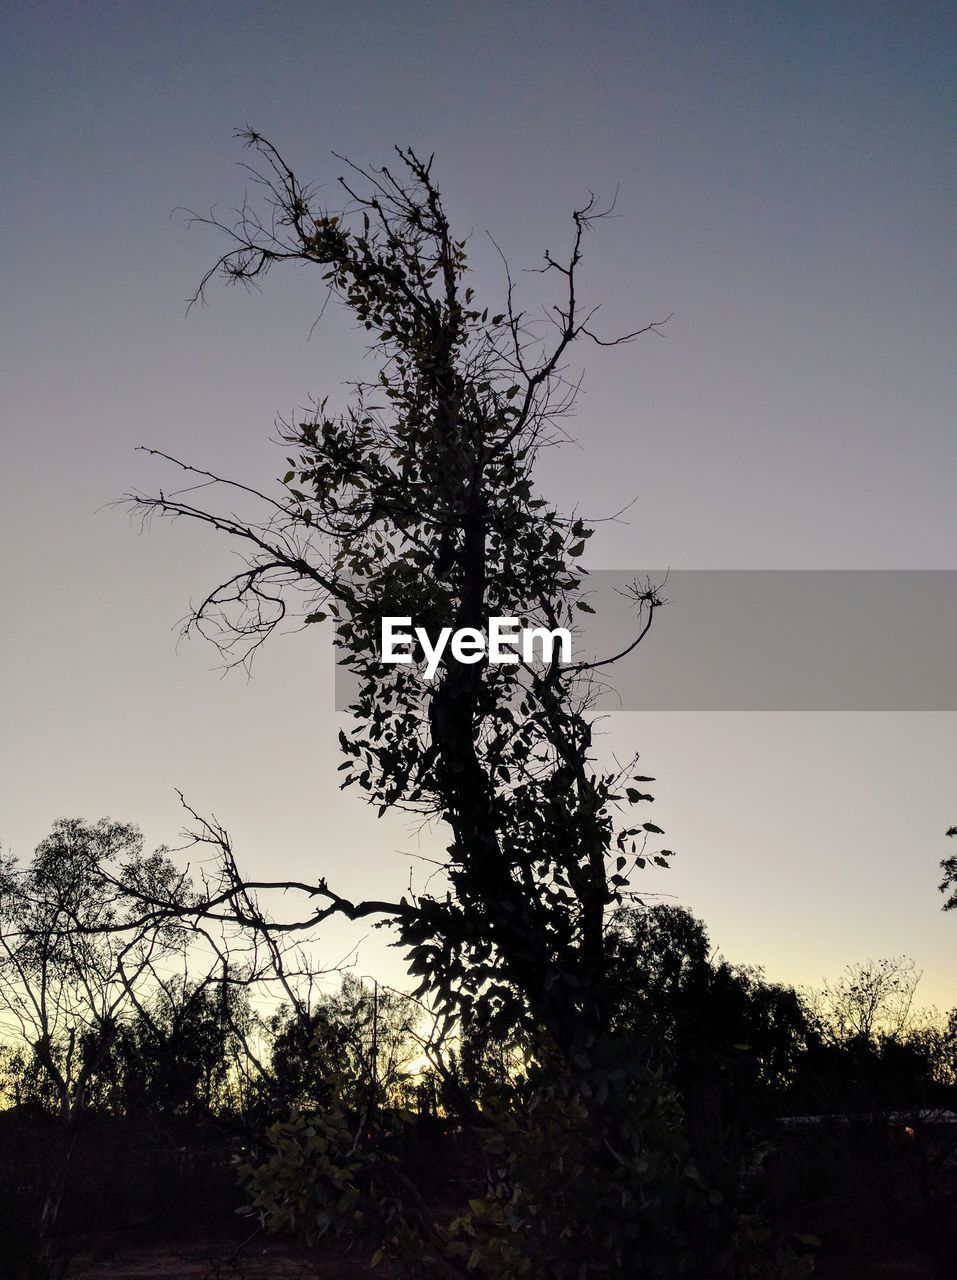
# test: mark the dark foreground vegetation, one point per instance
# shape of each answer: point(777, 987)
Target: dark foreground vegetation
point(144, 1106)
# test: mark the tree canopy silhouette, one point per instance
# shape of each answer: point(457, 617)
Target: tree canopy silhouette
point(418, 500)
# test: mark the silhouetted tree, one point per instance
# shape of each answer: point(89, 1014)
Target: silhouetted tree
point(949, 883)
point(868, 1051)
point(361, 1034)
point(186, 1049)
point(418, 500)
point(870, 999)
point(697, 1011)
point(75, 950)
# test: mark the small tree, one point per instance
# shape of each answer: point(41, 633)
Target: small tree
point(76, 954)
point(870, 1000)
point(363, 1035)
point(186, 1050)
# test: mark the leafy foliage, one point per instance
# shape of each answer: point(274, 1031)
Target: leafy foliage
point(601, 1181)
point(418, 500)
point(75, 951)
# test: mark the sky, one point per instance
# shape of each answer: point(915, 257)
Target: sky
point(784, 178)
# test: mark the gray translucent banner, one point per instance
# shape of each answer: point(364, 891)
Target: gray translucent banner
point(770, 640)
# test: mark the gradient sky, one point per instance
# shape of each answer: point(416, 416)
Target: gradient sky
point(785, 177)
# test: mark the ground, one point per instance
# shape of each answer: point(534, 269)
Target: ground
point(211, 1258)
point(222, 1258)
